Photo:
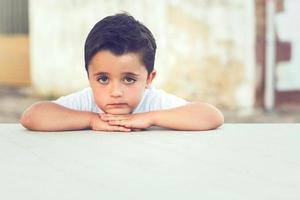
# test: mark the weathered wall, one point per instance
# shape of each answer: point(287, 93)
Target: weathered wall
point(58, 30)
point(211, 51)
point(288, 70)
point(205, 47)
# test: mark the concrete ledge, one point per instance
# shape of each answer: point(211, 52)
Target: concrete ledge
point(237, 161)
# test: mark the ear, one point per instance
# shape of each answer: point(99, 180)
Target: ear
point(150, 78)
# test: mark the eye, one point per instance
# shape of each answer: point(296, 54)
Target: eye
point(103, 79)
point(128, 80)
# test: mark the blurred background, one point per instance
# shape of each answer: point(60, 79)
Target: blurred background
point(238, 55)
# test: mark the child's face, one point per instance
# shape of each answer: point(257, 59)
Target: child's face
point(118, 81)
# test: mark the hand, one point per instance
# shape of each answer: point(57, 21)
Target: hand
point(131, 121)
point(97, 124)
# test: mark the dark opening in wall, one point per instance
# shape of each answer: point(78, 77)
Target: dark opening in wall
point(13, 16)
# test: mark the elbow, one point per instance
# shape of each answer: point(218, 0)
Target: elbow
point(219, 120)
point(215, 118)
point(28, 118)
point(207, 116)
point(211, 123)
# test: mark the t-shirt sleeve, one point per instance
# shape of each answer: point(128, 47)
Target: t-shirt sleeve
point(81, 101)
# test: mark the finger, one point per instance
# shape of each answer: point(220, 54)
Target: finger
point(120, 128)
point(106, 118)
point(103, 116)
point(118, 122)
point(124, 123)
point(111, 127)
point(116, 115)
point(112, 117)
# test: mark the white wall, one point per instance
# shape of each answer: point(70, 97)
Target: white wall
point(205, 48)
point(210, 48)
point(58, 30)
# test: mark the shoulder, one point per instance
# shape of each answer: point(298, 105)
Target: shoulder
point(85, 93)
point(82, 100)
point(158, 99)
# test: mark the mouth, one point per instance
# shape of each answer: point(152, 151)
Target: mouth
point(116, 105)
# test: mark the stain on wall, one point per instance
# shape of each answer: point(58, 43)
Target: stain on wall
point(204, 64)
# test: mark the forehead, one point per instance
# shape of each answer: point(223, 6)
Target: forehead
point(106, 61)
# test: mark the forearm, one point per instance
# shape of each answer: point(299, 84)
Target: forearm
point(48, 116)
point(193, 116)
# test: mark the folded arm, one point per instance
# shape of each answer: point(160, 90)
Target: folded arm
point(193, 116)
point(48, 116)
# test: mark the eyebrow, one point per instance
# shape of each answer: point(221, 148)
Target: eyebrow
point(131, 74)
point(124, 73)
point(100, 73)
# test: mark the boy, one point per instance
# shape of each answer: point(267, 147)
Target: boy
point(119, 60)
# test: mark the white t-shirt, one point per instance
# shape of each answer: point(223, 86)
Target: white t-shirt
point(153, 99)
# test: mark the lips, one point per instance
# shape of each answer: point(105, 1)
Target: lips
point(116, 105)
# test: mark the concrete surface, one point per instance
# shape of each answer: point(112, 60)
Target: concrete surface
point(237, 161)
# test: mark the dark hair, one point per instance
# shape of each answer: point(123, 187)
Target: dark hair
point(121, 34)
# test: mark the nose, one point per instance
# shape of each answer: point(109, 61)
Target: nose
point(116, 90)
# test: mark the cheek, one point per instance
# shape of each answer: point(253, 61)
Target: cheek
point(135, 94)
point(100, 96)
